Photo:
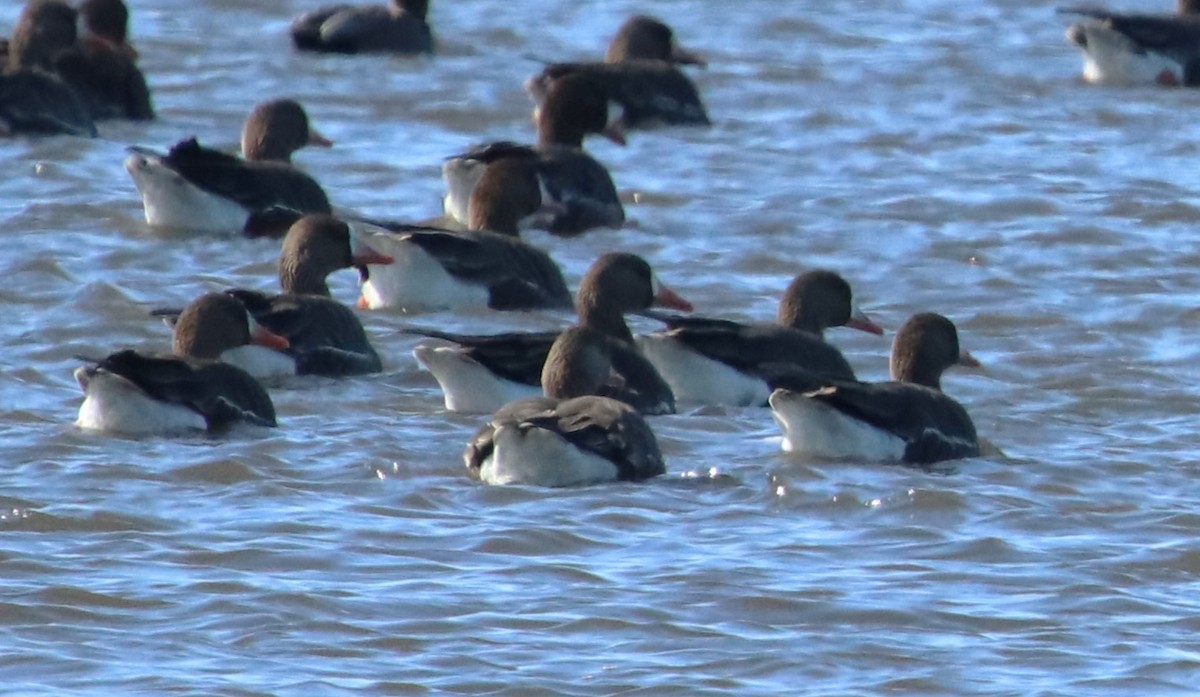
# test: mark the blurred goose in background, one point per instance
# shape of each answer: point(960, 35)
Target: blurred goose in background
point(715, 361)
point(481, 373)
point(33, 100)
point(486, 266)
point(569, 437)
point(640, 72)
point(574, 108)
point(906, 420)
point(399, 27)
point(102, 68)
point(1132, 49)
point(260, 193)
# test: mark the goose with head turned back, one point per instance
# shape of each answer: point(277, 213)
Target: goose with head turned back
point(640, 72)
point(906, 420)
point(1122, 49)
point(480, 373)
point(715, 361)
point(33, 100)
point(486, 266)
point(570, 436)
point(197, 188)
point(399, 27)
point(575, 108)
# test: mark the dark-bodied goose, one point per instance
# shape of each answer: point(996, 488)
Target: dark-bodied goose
point(480, 373)
point(32, 99)
point(574, 108)
point(640, 73)
point(1125, 49)
point(907, 420)
point(197, 188)
point(142, 394)
point(486, 266)
point(399, 27)
point(316, 334)
point(103, 67)
point(569, 437)
point(714, 361)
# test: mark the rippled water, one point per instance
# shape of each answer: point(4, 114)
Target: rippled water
point(942, 155)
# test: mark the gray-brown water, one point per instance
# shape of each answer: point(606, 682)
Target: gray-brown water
point(942, 155)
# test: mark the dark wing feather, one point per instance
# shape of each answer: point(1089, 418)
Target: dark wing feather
point(517, 275)
point(257, 186)
point(516, 356)
point(609, 428)
point(935, 426)
point(749, 347)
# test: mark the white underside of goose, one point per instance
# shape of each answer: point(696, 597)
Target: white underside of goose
point(697, 378)
point(461, 175)
point(543, 458)
point(170, 200)
point(261, 362)
point(1111, 58)
point(813, 428)
point(113, 404)
point(467, 386)
point(415, 280)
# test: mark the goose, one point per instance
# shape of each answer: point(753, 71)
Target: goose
point(480, 373)
point(33, 100)
point(640, 72)
point(1126, 49)
point(399, 27)
point(102, 68)
point(486, 266)
point(146, 394)
point(715, 361)
point(570, 436)
point(574, 108)
point(317, 335)
point(908, 420)
point(197, 188)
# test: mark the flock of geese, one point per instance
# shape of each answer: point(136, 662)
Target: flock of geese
point(568, 407)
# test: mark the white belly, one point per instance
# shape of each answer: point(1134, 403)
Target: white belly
point(1111, 59)
point(170, 200)
point(113, 404)
point(468, 386)
point(415, 281)
point(696, 378)
point(261, 362)
point(460, 177)
point(815, 429)
point(542, 458)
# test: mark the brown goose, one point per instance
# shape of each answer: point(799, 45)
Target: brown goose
point(399, 27)
point(569, 437)
point(486, 266)
point(317, 334)
point(907, 420)
point(137, 393)
point(32, 99)
point(197, 188)
point(715, 361)
point(640, 73)
point(480, 373)
point(574, 108)
point(102, 68)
